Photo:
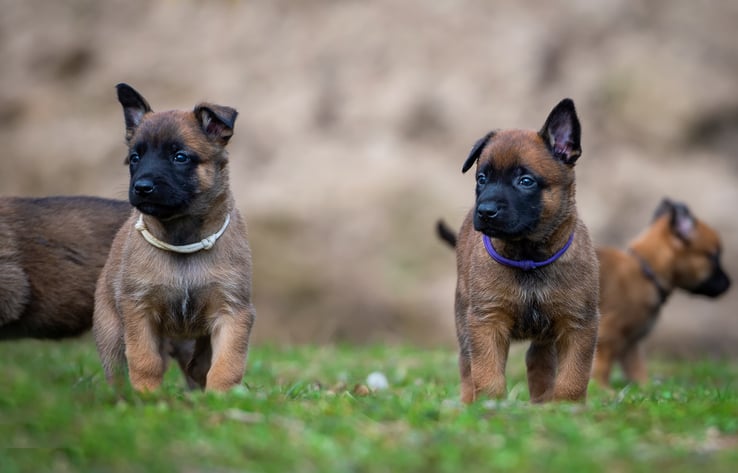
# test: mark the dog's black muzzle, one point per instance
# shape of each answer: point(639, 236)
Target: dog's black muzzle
point(155, 199)
point(715, 285)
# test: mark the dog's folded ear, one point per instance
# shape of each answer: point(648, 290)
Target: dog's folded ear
point(562, 132)
point(217, 121)
point(681, 220)
point(134, 107)
point(476, 151)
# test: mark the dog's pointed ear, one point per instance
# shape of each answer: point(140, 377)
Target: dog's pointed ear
point(562, 132)
point(217, 121)
point(681, 221)
point(476, 151)
point(666, 206)
point(134, 107)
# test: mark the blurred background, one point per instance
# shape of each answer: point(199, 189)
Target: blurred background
point(355, 118)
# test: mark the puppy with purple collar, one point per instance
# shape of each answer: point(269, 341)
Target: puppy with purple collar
point(526, 268)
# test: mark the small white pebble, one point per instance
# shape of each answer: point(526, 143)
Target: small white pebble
point(377, 381)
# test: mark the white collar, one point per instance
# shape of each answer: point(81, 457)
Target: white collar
point(204, 244)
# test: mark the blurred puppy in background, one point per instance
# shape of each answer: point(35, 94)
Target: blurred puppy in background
point(51, 252)
point(676, 251)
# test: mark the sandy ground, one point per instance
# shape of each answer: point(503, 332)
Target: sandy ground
point(355, 118)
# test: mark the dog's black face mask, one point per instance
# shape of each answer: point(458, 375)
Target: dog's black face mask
point(175, 158)
point(508, 201)
point(163, 177)
point(699, 271)
point(715, 285)
point(524, 178)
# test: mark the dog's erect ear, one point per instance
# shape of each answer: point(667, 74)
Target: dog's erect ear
point(666, 206)
point(476, 151)
point(681, 220)
point(217, 121)
point(134, 107)
point(562, 132)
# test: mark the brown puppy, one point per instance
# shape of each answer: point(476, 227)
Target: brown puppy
point(676, 251)
point(51, 252)
point(526, 266)
point(180, 267)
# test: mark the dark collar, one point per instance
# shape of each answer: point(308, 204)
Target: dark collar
point(649, 274)
point(526, 264)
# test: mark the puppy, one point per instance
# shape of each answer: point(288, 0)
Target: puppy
point(51, 252)
point(180, 266)
point(526, 266)
point(676, 251)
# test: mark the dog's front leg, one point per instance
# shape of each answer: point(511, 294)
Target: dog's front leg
point(634, 363)
point(107, 328)
point(146, 364)
point(489, 346)
point(575, 349)
point(230, 345)
point(602, 365)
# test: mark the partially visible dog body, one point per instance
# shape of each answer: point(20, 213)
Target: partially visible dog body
point(180, 267)
point(676, 251)
point(52, 250)
point(526, 266)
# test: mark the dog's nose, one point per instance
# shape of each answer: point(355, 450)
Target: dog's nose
point(488, 211)
point(143, 186)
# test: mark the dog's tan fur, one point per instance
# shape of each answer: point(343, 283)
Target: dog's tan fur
point(146, 295)
point(52, 250)
point(630, 300)
point(554, 306)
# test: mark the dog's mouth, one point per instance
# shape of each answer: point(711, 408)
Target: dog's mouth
point(161, 212)
point(501, 230)
point(162, 209)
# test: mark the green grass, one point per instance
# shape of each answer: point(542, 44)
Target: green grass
point(299, 411)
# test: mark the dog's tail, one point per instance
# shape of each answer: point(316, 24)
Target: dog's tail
point(445, 233)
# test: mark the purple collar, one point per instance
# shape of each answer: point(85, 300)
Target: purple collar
point(526, 264)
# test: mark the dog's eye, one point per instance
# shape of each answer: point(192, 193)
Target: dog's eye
point(134, 158)
point(481, 179)
point(180, 158)
point(526, 181)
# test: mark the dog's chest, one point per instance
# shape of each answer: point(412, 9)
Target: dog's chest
point(181, 300)
point(532, 305)
point(531, 322)
point(183, 311)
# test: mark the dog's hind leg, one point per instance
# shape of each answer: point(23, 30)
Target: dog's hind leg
point(15, 289)
point(199, 364)
point(541, 364)
point(183, 352)
point(602, 365)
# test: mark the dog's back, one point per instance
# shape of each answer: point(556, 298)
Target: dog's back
point(51, 252)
